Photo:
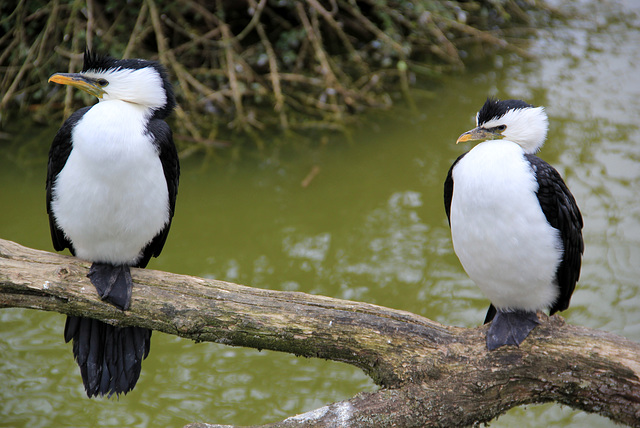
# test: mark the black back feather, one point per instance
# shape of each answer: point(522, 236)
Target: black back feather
point(169, 158)
point(448, 188)
point(562, 212)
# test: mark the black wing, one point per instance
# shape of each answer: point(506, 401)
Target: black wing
point(448, 189)
point(562, 213)
point(58, 155)
point(163, 139)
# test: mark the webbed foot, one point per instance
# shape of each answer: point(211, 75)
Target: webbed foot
point(113, 283)
point(510, 328)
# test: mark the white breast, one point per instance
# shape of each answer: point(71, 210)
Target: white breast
point(499, 231)
point(111, 197)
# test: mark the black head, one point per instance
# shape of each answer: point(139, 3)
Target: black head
point(494, 108)
point(510, 120)
point(137, 81)
point(104, 66)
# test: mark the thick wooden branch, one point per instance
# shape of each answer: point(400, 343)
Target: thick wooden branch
point(431, 374)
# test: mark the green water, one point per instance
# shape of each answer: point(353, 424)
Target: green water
point(370, 227)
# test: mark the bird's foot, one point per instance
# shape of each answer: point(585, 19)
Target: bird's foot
point(113, 283)
point(510, 328)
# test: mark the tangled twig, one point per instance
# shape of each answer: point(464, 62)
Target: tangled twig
point(294, 65)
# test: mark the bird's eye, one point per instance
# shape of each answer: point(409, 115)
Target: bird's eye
point(102, 82)
point(500, 128)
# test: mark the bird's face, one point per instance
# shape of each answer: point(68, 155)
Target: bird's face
point(511, 120)
point(141, 86)
point(136, 81)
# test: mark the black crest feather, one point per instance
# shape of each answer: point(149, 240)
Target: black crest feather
point(494, 108)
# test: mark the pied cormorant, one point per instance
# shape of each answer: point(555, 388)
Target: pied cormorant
point(515, 226)
point(112, 181)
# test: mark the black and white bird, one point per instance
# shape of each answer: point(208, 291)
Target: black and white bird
point(515, 226)
point(112, 182)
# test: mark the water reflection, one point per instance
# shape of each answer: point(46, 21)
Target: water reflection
point(396, 240)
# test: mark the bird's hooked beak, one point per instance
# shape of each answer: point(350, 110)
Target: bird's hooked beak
point(87, 84)
point(478, 135)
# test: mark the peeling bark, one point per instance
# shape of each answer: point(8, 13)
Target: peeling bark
point(430, 374)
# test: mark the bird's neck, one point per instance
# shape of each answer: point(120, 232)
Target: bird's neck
point(112, 131)
point(123, 107)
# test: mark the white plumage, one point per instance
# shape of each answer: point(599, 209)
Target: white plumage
point(512, 254)
point(111, 197)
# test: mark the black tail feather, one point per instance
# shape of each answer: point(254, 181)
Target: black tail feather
point(110, 358)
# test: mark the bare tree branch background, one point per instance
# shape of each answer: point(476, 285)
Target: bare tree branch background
point(251, 65)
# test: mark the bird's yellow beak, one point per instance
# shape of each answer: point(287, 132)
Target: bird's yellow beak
point(478, 135)
point(79, 81)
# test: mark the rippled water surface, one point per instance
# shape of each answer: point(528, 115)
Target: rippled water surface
point(370, 227)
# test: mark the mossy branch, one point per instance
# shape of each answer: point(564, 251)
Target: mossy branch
point(430, 374)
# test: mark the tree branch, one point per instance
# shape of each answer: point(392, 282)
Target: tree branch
point(431, 374)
